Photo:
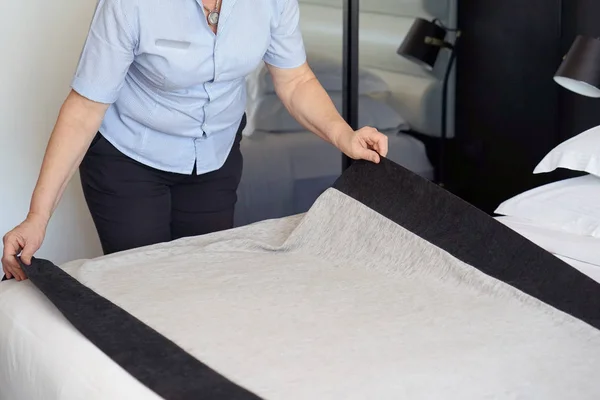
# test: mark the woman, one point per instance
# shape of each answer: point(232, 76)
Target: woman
point(154, 119)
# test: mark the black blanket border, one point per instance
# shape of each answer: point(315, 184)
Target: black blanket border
point(145, 354)
point(472, 236)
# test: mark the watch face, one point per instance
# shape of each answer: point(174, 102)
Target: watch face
point(213, 18)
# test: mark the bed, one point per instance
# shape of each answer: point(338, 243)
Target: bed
point(388, 287)
point(286, 167)
point(563, 217)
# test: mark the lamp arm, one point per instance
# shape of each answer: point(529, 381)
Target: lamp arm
point(439, 43)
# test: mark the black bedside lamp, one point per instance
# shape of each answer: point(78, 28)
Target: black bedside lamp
point(422, 46)
point(580, 69)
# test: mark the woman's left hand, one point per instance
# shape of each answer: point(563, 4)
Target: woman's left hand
point(364, 144)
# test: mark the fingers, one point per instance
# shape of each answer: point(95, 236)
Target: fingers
point(13, 270)
point(27, 254)
point(382, 144)
point(369, 155)
point(19, 274)
point(375, 145)
point(10, 264)
point(377, 141)
point(7, 273)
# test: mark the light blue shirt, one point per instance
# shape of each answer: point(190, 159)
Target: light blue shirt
point(177, 91)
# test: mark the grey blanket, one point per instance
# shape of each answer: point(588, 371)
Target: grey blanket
point(388, 288)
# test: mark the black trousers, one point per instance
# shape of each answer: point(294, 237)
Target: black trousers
point(134, 205)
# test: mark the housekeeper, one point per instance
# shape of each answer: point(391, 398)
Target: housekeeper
point(154, 118)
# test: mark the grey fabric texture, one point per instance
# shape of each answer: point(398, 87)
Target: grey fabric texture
point(151, 358)
point(470, 235)
point(344, 303)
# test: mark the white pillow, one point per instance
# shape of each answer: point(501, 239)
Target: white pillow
point(327, 70)
point(580, 153)
point(268, 114)
point(571, 205)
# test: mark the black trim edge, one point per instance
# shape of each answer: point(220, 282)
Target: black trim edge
point(472, 236)
point(149, 357)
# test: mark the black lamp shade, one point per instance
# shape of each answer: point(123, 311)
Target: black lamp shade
point(580, 70)
point(422, 43)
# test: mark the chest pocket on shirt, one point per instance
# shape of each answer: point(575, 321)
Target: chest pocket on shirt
point(188, 55)
point(173, 44)
point(181, 64)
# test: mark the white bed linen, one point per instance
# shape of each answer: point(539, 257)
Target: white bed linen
point(580, 251)
point(569, 205)
point(43, 357)
point(285, 173)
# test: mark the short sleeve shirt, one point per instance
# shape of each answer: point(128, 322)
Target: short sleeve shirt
point(176, 90)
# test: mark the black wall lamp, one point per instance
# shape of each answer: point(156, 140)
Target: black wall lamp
point(580, 70)
point(422, 45)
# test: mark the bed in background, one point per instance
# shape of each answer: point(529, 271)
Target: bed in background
point(286, 167)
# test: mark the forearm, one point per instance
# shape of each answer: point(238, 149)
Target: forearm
point(312, 107)
point(308, 102)
point(77, 123)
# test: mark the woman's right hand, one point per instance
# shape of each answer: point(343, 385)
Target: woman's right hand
point(78, 121)
point(25, 239)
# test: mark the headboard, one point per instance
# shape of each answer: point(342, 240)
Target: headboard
point(415, 93)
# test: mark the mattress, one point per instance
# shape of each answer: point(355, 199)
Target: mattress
point(285, 173)
point(388, 287)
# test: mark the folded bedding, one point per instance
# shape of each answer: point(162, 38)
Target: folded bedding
point(388, 287)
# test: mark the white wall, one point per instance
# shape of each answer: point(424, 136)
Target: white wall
point(40, 46)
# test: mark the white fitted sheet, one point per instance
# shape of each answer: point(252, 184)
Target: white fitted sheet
point(580, 251)
point(43, 357)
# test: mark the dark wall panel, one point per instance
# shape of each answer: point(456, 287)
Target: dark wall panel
point(507, 103)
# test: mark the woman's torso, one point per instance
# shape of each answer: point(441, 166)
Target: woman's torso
point(184, 94)
point(182, 67)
